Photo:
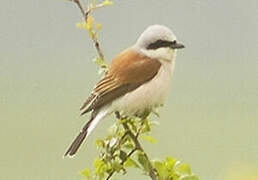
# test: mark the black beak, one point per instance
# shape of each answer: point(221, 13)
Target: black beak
point(177, 46)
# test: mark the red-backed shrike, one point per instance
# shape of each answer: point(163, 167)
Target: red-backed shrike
point(137, 80)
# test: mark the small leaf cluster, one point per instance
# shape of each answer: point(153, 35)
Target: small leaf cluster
point(93, 27)
point(172, 169)
point(103, 66)
point(117, 148)
point(121, 150)
point(89, 23)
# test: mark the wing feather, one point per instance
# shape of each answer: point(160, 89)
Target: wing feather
point(127, 72)
point(88, 101)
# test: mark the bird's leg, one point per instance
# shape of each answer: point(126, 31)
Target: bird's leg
point(118, 116)
point(145, 114)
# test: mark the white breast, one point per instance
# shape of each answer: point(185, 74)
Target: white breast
point(150, 95)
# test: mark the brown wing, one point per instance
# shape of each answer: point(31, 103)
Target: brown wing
point(127, 72)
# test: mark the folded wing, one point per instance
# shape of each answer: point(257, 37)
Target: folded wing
point(127, 72)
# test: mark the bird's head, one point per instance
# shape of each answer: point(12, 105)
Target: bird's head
point(158, 42)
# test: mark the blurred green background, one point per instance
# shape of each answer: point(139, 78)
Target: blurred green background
point(210, 119)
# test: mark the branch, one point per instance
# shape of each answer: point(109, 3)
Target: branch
point(122, 163)
point(85, 15)
point(80, 7)
point(138, 146)
point(116, 154)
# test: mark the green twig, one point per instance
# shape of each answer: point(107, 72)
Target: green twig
point(85, 16)
point(138, 146)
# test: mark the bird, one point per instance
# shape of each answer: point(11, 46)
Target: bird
point(137, 81)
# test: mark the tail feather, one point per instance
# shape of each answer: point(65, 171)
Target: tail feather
point(85, 132)
point(76, 144)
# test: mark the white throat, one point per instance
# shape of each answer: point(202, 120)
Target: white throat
point(162, 54)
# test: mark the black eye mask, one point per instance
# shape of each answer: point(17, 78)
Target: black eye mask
point(162, 43)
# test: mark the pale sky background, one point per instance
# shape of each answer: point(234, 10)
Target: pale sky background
point(210, 119)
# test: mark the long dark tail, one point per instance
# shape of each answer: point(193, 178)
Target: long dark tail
point(86, 130)
point(78, 140)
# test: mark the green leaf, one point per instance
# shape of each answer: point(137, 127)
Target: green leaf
point(183, 169)
point(133, 125)
point(86, 173)
point(98, 162)
point(146, 126)
point(170, 162)
point(100, 167)
point(103, 65)
point(97, 60)
point(117, 166)
point(143, 161)
point(149, 138)
point(122, 155)
point(107, 2)
point(100, 143)
point(131, 163)
point(113, 142)
point(129, 145)
point(123, 120)
point(162, 170)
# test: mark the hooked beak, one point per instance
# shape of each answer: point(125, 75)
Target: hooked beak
point(177, 46)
